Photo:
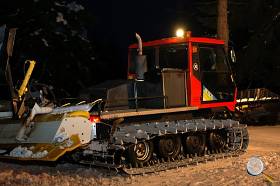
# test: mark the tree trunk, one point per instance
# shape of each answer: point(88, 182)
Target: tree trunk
point(222, 23)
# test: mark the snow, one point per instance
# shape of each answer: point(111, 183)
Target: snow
point(45, 42)
point(2, 151)
point(75, 7)
point(37, 32)
point(64, 140)
point(21, 152)
point(59, 138)
point(60, 18)
point(83, 38)
point(40, 154)
point(58, 4)
point(60, 110)
point(68, 143)
point(24, 152)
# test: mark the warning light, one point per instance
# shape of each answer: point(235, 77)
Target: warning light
point(180, 33)
point(94, 119)
point(194, 49)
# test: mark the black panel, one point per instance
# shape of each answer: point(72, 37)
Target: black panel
point(4, 86)
point(103, 131)
point(150, 94)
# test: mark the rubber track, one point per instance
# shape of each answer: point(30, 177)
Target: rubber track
point(127, 135)
point(161, 166)
point(131, 134)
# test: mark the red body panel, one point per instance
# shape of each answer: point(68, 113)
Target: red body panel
point(194, 86)
point(173, 40)
point(206, 40)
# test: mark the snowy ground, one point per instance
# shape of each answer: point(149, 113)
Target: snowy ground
point(264, 142)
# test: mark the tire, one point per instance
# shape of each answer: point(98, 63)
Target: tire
point(217, 141)
point(169, 146)
point(140, 153)
point(194, 144)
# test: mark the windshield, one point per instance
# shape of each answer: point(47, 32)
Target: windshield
point(213, 59)
point(159, 57)
point(173, 56)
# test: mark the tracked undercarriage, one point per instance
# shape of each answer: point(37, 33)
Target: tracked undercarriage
point(157, 146)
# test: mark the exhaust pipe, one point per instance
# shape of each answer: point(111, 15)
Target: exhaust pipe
point(140, 50)
point(141, 61)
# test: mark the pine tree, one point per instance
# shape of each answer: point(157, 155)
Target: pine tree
point(55, 34)
point(222, 22)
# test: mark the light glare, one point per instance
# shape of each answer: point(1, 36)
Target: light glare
point(180, 33)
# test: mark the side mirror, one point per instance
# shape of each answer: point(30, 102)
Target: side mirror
point(141, 66)
point(232, 55)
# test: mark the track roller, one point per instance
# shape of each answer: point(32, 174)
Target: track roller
point(169, 146)
point(194, 143)
point(217, 140)
point(140, 153)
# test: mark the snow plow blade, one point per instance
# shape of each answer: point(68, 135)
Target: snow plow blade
point(43, 152)
point(50, 135)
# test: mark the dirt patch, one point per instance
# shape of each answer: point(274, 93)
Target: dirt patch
point(264, 142)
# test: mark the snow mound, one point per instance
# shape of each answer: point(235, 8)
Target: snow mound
point(24, 152)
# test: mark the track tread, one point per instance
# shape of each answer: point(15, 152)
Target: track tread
point(128, 135)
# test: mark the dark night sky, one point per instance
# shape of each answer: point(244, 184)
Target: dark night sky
point(119, 20)
point(152, 19)
point(113, 24)
point(111, 29)
point(159, 19)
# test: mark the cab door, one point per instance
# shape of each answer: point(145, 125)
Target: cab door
point(217, 84)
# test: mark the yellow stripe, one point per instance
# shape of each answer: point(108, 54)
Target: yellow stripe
point(269, 178)
point(84, 114)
